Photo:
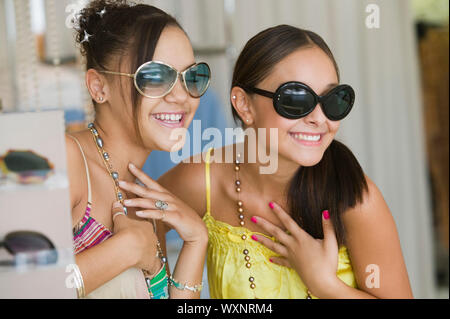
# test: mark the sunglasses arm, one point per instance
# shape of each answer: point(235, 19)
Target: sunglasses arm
point(118, 73)
point(260, 92)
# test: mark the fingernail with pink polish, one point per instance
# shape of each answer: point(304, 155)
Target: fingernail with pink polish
point(253, 219)
point(254, 238)
point(271, 205)
point(326, 214)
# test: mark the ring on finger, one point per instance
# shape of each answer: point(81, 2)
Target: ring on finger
point(117, 214)
point(161, 205)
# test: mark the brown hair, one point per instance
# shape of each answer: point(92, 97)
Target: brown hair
point(124, 27)
point(337, 182)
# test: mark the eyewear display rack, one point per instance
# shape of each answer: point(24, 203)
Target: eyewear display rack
point(42, 207)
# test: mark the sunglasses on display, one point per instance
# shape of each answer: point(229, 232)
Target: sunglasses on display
point(28, 247)
point(294, 100)
point(25, 167)
point(156, 79)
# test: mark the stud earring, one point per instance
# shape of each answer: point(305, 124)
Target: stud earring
point(100, 99)
point(234, 97)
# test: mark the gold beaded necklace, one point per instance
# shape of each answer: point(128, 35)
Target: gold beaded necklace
point(241, 217)
point(240, 205)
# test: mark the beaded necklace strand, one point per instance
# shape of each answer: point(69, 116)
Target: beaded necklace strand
point(241, 217)
point(120, 196)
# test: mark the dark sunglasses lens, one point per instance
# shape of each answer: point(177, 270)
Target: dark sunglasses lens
point(338, 104)
point(155, 79)
point(295, 101)
point(197, 79)
point(27, 242)
point(22, 161)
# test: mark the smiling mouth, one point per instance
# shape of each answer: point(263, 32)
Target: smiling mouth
point(307, 139)
point(170, 119)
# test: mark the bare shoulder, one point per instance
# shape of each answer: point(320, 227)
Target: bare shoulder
point(372, 239)
point(372, 213)
point(373, 205)
point(187, 182)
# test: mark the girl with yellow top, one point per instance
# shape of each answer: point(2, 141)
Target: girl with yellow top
point(317, 227)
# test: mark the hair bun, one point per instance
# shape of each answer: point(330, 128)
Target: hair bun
point(92, 19)
point(106, 30)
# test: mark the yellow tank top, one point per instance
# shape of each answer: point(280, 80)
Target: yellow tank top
point(230, 274)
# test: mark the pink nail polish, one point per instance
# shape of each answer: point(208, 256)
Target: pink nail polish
point(326, 214)
point(270, 259)
point(254, 238)
point(271, 205)
point(253, 219)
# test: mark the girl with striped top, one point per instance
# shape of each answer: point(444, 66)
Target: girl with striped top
point(144, 83)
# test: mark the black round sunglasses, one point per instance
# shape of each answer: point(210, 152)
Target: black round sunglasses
point(294, 100)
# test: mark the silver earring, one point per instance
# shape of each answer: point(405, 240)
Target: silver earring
point(100, 99)
point(234, 97)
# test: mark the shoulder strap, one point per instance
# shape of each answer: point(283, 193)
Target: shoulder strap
point(87, 171)
point(208, 182)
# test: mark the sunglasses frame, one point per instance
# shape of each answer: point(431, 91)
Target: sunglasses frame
point(25, 177)
point(51, 255)
point(3, 243)
point(182, 74)
point(275, 96)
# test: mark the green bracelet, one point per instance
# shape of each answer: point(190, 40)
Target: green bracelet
point(181, 286)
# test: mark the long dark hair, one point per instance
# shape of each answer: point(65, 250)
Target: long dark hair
point(117, 28)
point(337, 182)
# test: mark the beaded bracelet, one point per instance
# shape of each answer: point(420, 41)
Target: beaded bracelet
point(181, 286)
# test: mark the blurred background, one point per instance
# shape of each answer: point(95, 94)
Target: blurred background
point(394, 53)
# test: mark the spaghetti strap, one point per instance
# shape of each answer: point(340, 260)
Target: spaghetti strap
point(87, 171)
point(208, 182)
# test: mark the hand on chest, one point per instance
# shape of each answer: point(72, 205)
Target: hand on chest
point(237, 208)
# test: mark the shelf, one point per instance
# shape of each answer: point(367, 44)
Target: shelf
point(58, 180)
point(26, 262)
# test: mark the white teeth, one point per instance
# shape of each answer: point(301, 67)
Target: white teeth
point(169, 118)
point(314, 138)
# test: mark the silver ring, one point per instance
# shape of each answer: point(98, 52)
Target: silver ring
point(117, 214)
point(161, 205)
